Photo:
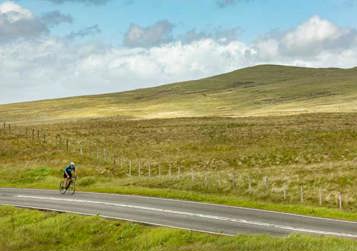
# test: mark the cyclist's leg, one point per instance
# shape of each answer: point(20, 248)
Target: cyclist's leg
point(64, 180)
point(69, 180)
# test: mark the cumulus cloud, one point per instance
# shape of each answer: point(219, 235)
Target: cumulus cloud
point(219, 33)
point(309, 40)
point(47, 67)
point(54, 18)
point(156, 34)
point(17, 22)
point(52, 67)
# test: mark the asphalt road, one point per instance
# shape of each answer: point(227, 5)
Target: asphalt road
point(178, 214)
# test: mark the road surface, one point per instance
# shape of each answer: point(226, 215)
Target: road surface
point(178, 214)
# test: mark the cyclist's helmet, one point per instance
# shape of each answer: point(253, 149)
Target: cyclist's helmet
point(72, 164)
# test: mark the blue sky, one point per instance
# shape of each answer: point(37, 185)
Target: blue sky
point(254, 17)
point(57, 48)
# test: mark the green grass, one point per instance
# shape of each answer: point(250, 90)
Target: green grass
point(289, 126)
point(256, 91)
point(317, 151)
point(28, 230)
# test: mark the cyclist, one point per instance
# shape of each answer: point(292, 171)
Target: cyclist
point(68, 173)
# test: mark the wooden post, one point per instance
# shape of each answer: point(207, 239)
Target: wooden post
point(139, 168)
point(249, 184)
point(67, 145)
point(130, 168)
point(33, 134)
point(206, 181)
point(320, 197)
point(149, 169)
point(179, 171)
point(38, 135)
point(266, 183)
point(80, 149)
point(301, 194)
point(9, 128)
point(340, 200)
point(284, 193)
point(234, 184)
point(192, 175)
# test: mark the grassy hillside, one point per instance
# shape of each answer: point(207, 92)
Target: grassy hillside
point(316, 151)
point(217, 154)
point(261, 90)
point(28, 230)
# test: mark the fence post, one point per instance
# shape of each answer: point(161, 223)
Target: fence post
point(169, 170)
point(67, 145)
point(192, 175)
point(139, 168)
point(301, 194)
point(33, 134)
point(320, 197)
point(249, 184)
point(340, 200)
point(206, 181)
point(149, 169)
point(284, 193)
point(179, 171)
point(234, 184)
point(130, 168)
point(266, 182)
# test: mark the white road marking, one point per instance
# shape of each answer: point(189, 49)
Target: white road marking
point(206, 216)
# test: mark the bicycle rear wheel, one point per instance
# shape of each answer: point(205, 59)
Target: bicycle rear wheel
point(62, 189)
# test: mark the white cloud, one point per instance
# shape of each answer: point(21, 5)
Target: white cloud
point(313, 36)
point(17, 22)
point(46, 67)
point(153, 35)
point(14, 12)
point(310, 42)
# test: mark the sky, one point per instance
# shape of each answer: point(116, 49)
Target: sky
point(59, 48)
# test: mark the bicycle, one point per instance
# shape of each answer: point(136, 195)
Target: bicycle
point(71, 187)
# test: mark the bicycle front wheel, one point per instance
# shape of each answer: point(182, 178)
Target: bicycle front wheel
point(72, 187)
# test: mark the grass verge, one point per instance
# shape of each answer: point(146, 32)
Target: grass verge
point(28, 230)
point(112, 186)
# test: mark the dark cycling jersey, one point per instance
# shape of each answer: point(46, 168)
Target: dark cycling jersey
point(68, 170)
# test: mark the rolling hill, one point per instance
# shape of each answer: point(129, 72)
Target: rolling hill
point(254, 91)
